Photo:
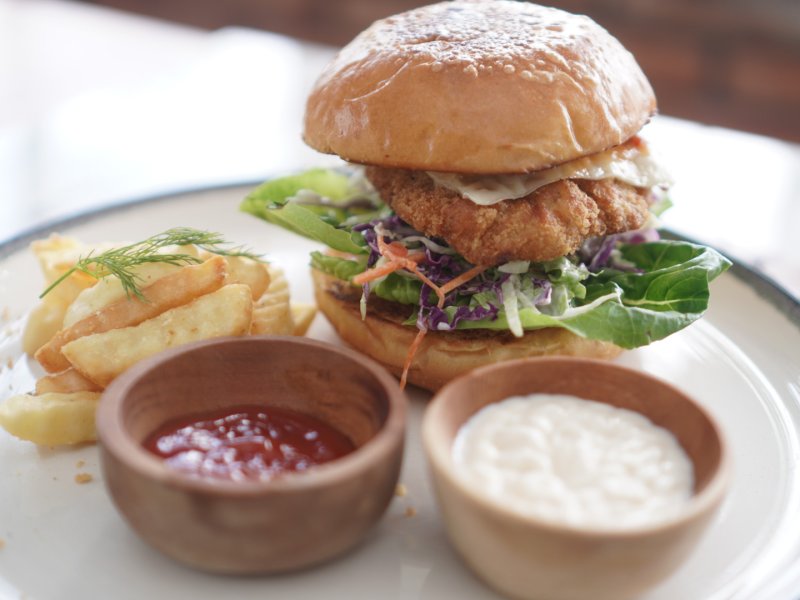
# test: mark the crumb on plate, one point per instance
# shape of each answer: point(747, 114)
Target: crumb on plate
point(401, 490)
point(83, 478)
point(410, 511)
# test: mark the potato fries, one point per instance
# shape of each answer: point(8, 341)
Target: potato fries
point(109, 290)
point(271, 313)
point(245, 270)
point(165, 293)
point(43, 323)
point(302, 315)
point(100, 357)
point(66, 382)
point(51, 419)
point(56, 256)
point(88, 331)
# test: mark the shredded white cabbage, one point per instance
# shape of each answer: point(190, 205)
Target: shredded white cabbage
point(515, 266)
point(429, 243)
point(579, 310)
point(511, 305)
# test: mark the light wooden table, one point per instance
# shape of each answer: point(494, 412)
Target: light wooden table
point(99, 106)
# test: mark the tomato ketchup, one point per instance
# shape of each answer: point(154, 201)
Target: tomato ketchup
point(247, 443)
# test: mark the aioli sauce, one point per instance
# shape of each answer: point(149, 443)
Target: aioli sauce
point(631, 162)
point(573, 461)
point(247, 443)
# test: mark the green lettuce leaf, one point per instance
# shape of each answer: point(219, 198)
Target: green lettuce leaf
point(394, 287)
point(669, 291)
point(397, 288)
point(612, 321)
point(341, 268)
point(639, 308)
point(675, 276)
point(271, 201)
point(326, 182)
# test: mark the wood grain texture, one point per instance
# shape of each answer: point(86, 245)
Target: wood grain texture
point(290, 522)
point(526, 557)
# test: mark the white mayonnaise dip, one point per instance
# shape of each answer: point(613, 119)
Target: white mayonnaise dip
point(633, 165)
point(573, 461)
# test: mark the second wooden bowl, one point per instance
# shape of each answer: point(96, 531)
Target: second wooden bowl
point(535, 559)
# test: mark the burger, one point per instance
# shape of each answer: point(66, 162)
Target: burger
point(497, 201)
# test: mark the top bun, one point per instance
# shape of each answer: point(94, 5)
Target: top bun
point(487, 86)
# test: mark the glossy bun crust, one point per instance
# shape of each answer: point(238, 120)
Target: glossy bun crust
point(491, 86)
point(443, 356)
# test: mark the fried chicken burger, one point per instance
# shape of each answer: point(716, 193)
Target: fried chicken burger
point(499, 202)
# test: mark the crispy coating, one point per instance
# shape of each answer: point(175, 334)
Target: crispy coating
point(552, 221)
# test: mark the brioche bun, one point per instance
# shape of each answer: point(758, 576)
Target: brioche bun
point(442, 356)
point(478, 87)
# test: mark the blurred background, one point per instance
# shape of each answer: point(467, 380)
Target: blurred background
point(734, 63)
point(103, 101)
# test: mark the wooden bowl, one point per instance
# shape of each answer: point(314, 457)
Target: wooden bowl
point(293, 521)
point(531, 558)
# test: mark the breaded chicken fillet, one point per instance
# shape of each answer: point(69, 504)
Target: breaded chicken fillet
point(552, 221)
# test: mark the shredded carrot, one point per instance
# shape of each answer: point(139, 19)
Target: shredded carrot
point(461, 279)
point(412, 351)
point(398, 257)
point(394, 264)
point(396, 248)
point(391, 248)
point(377, 272)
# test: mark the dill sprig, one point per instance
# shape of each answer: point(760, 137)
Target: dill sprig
point(120, 262)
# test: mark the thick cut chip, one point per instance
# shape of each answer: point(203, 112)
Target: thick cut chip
point(110, 289)
point(302, 315)
point(57, 254)
point(271, 313)
point(102, 356)
point(44, 321)
point(246, 270)
point(170, 291)
point(278, 290)
point(66, 382)
point(272, 320)
point(51, 419)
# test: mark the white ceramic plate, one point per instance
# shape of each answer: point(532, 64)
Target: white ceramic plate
point(65, 540)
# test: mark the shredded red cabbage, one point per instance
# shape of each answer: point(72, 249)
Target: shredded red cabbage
point(460, 304)
point(598, 253)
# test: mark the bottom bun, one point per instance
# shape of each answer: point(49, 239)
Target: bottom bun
point(443, 355)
